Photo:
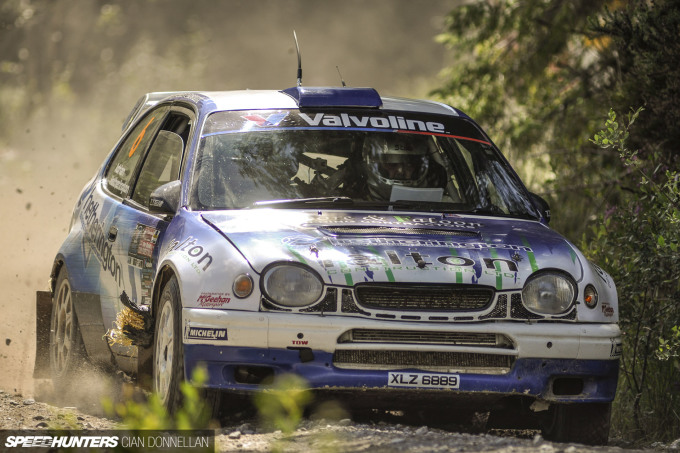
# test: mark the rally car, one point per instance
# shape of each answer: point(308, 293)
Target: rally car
point(371, 245)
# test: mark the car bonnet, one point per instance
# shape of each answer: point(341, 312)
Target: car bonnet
point(346, 248)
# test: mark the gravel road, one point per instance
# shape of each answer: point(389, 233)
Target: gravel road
point(379, 434)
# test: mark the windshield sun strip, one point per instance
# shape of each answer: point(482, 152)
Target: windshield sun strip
point(355, 129)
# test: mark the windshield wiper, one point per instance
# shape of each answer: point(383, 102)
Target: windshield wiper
point(428, 206)
point(305, 202)
point(493, 210)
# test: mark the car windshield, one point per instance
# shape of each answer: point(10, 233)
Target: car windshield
point(376, 160)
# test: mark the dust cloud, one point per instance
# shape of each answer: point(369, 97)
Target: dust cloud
point(70, 72)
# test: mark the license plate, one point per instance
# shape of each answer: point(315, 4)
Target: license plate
point(448, 381)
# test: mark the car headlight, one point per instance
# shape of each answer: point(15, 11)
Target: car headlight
point(291, 285)
point(549, 293)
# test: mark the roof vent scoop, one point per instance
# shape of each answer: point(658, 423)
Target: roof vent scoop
point(334, 97)
point(330, 96)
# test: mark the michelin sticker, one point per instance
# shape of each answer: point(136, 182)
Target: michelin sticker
point(205, 333)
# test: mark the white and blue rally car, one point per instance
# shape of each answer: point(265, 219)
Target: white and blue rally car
point(371, 245)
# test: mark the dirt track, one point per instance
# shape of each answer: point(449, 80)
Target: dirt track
point(344, 435)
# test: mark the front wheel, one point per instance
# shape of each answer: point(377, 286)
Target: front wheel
point(168, 353)
point(168, 360)
point(584, 423)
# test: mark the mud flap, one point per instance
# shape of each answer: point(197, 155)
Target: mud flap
point(43, 314)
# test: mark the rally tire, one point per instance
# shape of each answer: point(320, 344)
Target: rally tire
point(584, 423)
point(67, 352)
point(168, 354)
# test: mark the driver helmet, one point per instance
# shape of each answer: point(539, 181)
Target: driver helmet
point(394, 159)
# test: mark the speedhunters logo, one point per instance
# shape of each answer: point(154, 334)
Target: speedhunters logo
point(109, 440)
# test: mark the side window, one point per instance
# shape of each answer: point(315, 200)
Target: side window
point(162, 163)
point(118, 177)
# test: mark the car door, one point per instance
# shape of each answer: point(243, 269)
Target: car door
point(133, 230)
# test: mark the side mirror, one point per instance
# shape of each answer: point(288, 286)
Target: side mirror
point(165, 199)
point(541, 205)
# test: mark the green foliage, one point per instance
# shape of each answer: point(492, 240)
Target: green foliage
point(646, 55)
point(152, 414)
point(670, 348)
point(283, 404)
point(64, 420)
point(536, 74)
point(533, 75)
point(638, 242)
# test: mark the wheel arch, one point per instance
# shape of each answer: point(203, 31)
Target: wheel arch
point(59, 262)
point(163, 276)
point(145, 355)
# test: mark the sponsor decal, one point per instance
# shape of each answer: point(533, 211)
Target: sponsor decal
point(206, 333)
point(272, 120)
point(300, 342)
point(413, 257)
point(607, 309)
point(119, 185)
point(146, 283)
point(399, 221)
point(142, 245)
point(602, 274)
point(212, 300)
point(374, 122)
point(120, 171)
point(398, 242)
point(301, 241)
point(193, 252)
point(94, 237)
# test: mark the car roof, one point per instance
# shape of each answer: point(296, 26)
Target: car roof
point(212, 101)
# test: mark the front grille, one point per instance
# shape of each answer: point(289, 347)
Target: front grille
point(420, 359)
point(425, 337)
point(501, 310)
point(397, 231)
point(424, 298)
point(518, 311)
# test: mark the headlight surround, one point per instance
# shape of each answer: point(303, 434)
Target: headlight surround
point(549, 293)
point(291, 285)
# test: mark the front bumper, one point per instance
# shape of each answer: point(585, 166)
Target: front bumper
point(550, 361)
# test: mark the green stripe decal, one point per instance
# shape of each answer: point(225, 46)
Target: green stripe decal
point(459, 275)
point(573, 255)
point(348, 279)
point(532, 258)
point(296, 255)
point(388, 271)
point(401, 219)
point(497, 266)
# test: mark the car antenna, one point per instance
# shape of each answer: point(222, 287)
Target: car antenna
point(299, 70)
point(341, 79)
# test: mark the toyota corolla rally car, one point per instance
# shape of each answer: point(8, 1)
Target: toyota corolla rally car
point(374, 246)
